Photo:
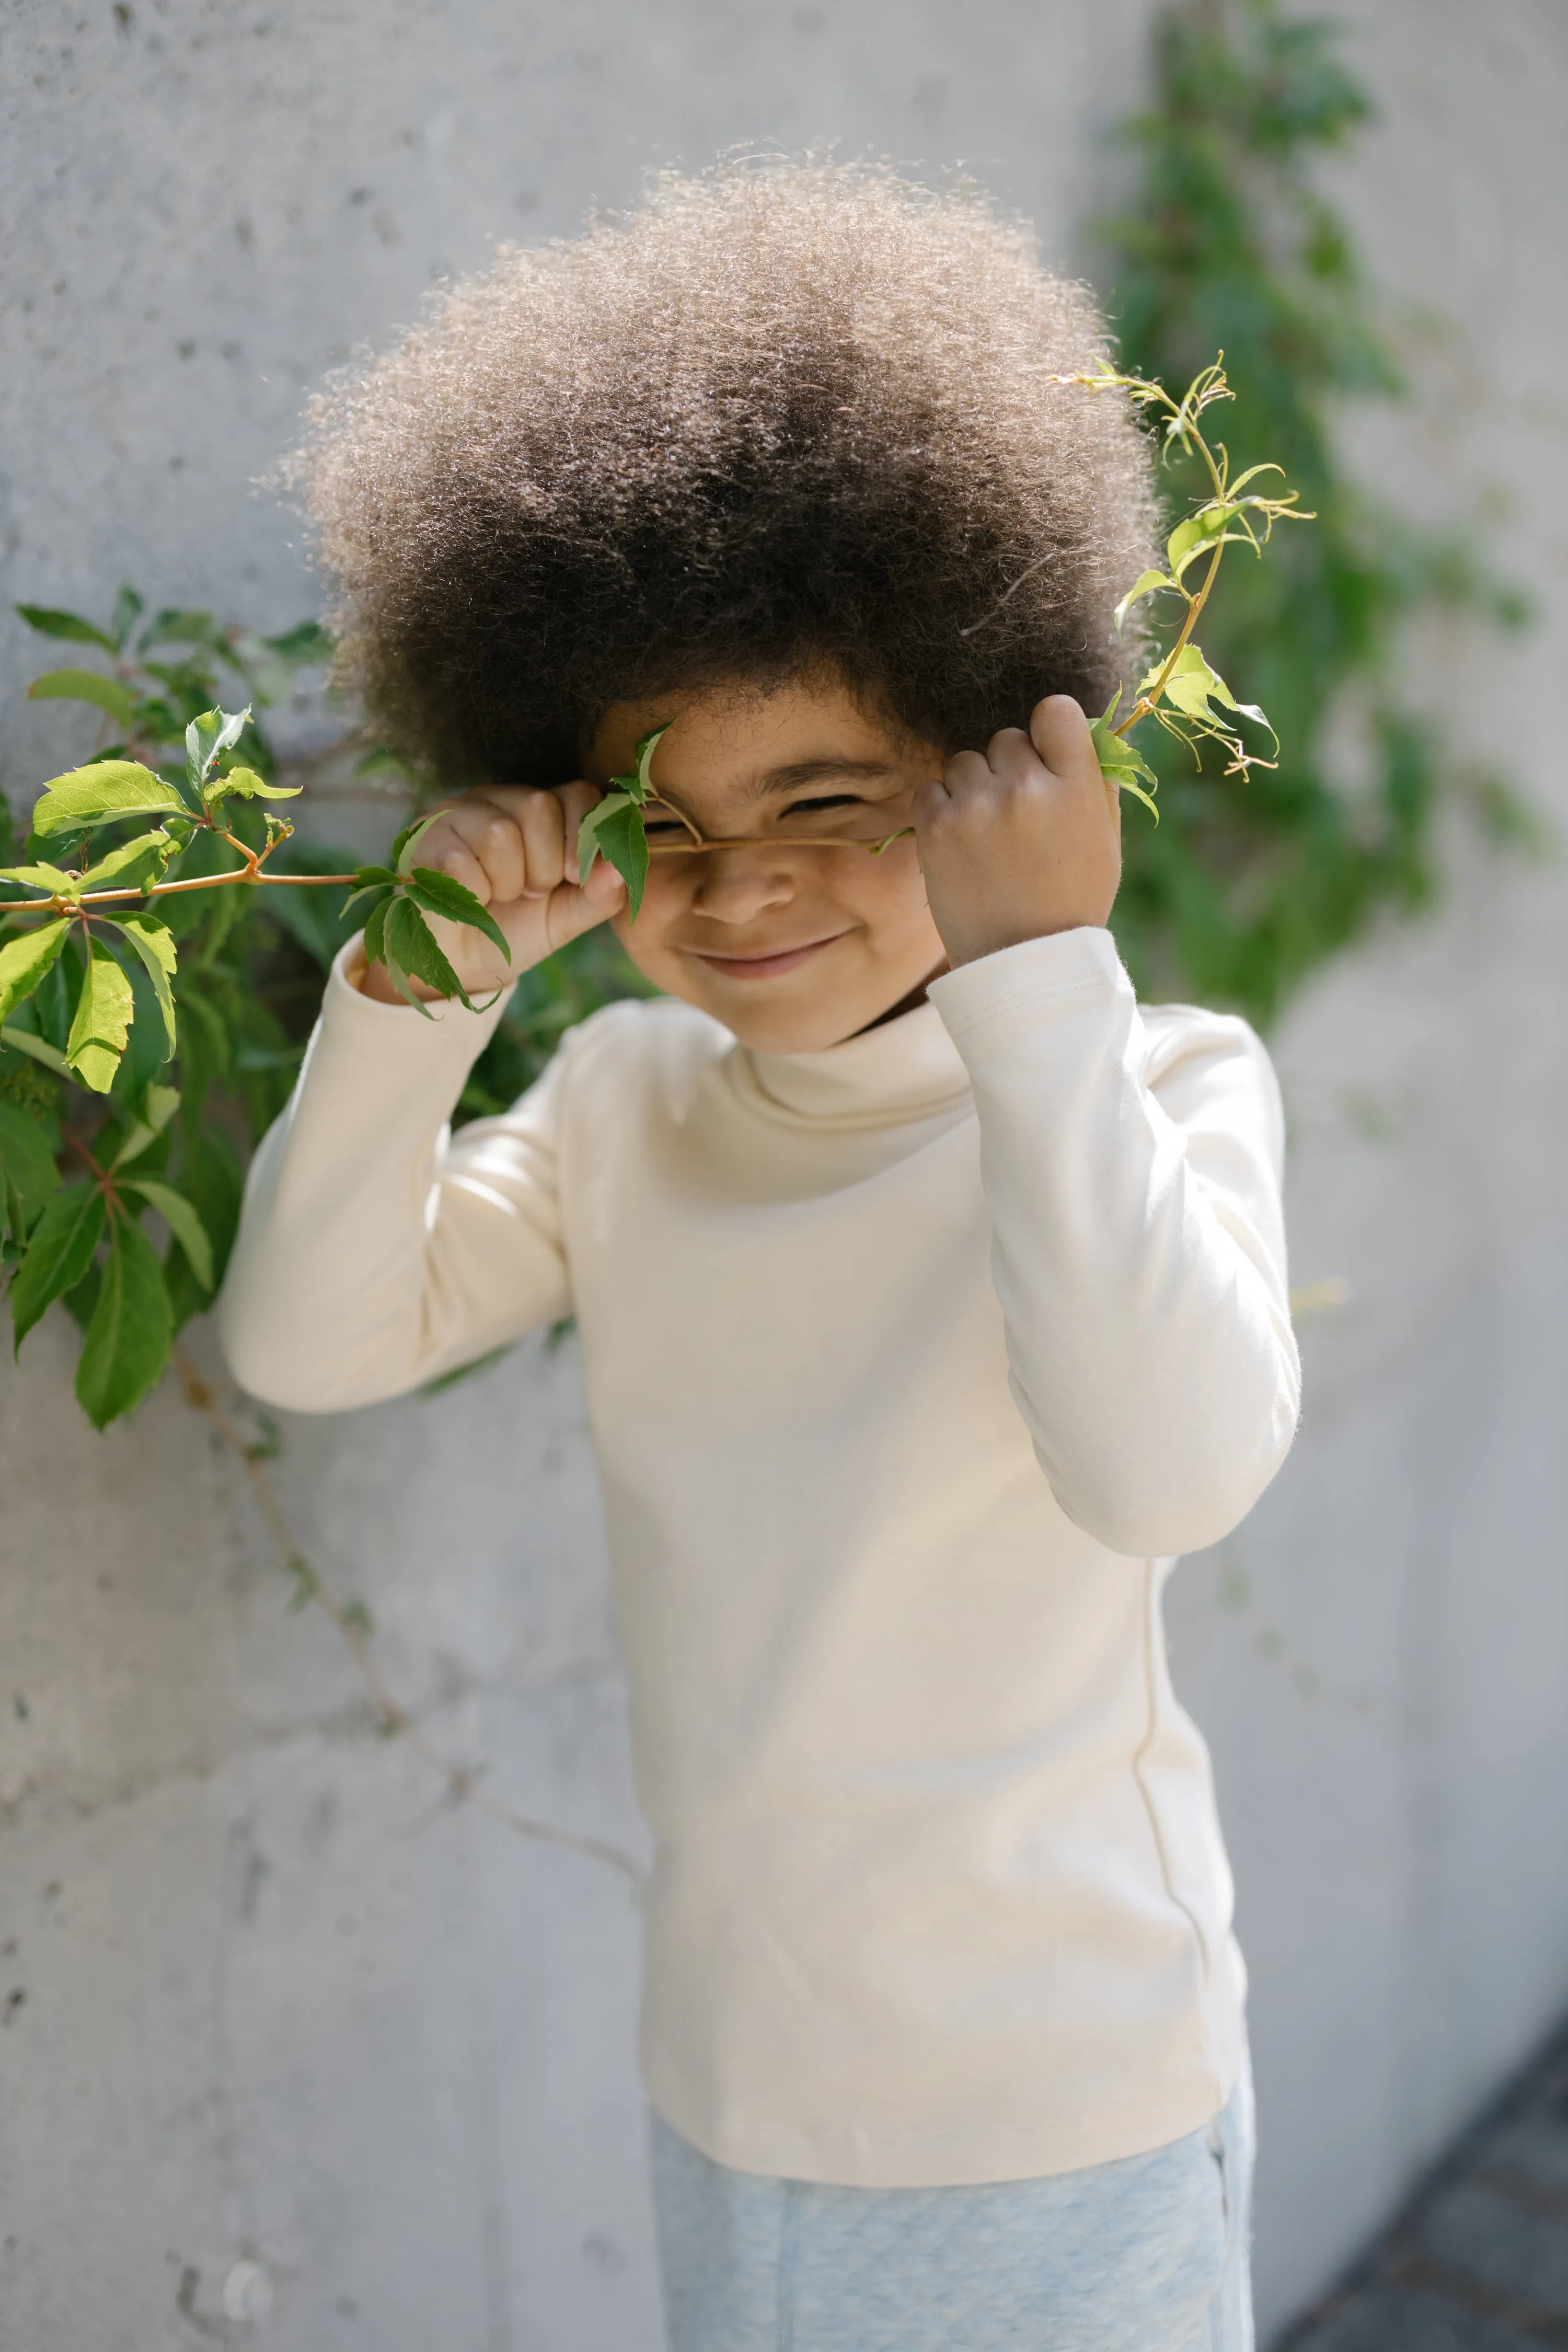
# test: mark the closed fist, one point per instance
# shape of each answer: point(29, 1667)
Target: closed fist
point(1022, 840)
point(516, 850)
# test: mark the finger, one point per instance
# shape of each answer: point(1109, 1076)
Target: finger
point(931, 799)
point(447, 854)
point(576, 799)
point(1060, 733)
point(1009, 752)
point(490, 835)
point(571, 910)
point(544, 842)
point(966, 773)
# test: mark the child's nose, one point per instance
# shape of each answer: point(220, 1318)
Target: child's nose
point(738, 884)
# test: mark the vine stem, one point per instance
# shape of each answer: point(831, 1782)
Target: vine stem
point(1145, 702)
point(169, 889)
point(461, 1780)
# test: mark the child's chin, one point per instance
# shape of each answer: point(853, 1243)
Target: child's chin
point(782, 1027)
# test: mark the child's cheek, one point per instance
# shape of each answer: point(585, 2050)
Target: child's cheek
point(646, 940)
point(888, 893)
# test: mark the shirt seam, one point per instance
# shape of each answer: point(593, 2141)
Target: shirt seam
point(1139, 1754)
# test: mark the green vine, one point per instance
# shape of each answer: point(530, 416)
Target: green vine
point(155, 992)
point(1251, 880)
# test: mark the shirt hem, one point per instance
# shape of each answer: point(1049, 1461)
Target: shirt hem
point(959, 2155)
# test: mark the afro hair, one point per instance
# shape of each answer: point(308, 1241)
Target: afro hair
point(784, 415)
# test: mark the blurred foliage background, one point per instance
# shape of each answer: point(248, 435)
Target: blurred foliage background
point(1226, 244)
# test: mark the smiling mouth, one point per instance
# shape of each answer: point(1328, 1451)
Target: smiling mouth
point(767, 966)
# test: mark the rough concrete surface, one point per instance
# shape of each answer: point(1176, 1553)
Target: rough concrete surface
point(1479, 2261)
point(297, 2051)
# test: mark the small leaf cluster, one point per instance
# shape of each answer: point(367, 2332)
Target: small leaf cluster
point(163, 939)
point(139, 1040)
point(613, 828)
point(1181, 692)
point(398, 898)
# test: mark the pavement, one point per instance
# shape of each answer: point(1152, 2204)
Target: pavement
point(1478, 2261)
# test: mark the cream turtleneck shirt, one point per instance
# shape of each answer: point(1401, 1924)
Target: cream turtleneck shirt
point(909, 1366)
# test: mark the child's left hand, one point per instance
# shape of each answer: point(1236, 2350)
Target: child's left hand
point(1023, 840)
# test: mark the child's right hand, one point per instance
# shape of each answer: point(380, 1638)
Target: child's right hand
point(516, 850)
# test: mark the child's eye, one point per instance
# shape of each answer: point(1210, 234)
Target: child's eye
point(799, 812)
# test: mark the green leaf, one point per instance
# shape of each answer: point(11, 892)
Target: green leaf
point(210, 733)
point(27, 1167)
point(83, 1297)
point(159, 1105)
point(212, 1180)
point(646, 746)
point(50, 622)
point(58, 1254)
point(614, 830)
point(24, 1042)
point(128, 609)
point(131, 1330)
point(141, 860)
point(370, 878)
point(438, 894)
point(408, 840)
point(175, 625)
point(307, 642)
point(410, 950)
point(24, 960)
point(154, 943)
point(102, 1017)
point(1121, 762)
point(1208, 528)
point(106, 789)
point(53, 879)
point(1192, 687)
point(206, 1046)
point(180, 1215)
point(252, 787)
point(87, 686)
point(1144, 585)
point(376, 928)
point(133, 863)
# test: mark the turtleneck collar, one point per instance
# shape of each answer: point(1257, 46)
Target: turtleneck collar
point(906, 1069)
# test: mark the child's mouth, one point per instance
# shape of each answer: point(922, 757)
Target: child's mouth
point(766, 966)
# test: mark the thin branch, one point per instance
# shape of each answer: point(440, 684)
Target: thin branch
point(1145, 702)
point(462, 1780)
point(168, 890)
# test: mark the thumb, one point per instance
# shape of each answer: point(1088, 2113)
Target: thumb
point(1060, 733)
point(574, 909)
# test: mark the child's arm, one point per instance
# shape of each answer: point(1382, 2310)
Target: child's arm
point(375, 1249)
point(1131, 1173)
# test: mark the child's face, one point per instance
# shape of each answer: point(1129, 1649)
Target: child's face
point(792, 947)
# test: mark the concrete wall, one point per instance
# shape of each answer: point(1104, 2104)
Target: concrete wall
point(299, 2053)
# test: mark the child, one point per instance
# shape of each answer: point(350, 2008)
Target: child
point(931, 1294)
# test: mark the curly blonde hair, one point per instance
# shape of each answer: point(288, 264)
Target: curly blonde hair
point(782, 416)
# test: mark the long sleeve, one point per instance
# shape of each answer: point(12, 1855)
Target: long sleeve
point(1131, 1173)
point(375, 1249)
